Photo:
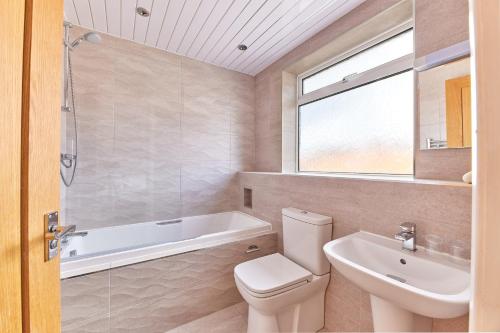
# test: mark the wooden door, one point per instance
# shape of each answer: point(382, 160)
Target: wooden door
point(40, 149)
point(458, 117)
point(466, 116)
point(11, 65)
point(485, 298)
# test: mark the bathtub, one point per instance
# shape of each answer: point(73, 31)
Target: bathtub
point(105, 248)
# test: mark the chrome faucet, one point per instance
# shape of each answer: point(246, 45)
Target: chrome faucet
point(408, 235)
point(65, 239)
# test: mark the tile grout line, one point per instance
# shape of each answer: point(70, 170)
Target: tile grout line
point(181, 74)
point(109, 300)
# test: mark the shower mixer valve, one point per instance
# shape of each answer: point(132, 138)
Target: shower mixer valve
point(67, 160)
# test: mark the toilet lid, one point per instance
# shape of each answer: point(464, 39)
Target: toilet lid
point(270, 273)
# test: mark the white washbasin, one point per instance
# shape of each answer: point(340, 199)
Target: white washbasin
point(427, 285)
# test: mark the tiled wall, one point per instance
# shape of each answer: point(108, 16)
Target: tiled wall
point(439, 24)
point(159, 136)
point(158, 295)
point(213, 134)
point(441, 208)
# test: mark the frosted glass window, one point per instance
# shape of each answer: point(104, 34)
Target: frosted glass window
point(386, 51)
point(364, 130)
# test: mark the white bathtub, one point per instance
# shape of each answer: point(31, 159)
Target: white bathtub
point(105, 248)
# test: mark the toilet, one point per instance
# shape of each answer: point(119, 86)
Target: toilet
point(286, 293)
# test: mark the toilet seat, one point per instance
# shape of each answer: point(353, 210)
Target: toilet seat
point(271, 275)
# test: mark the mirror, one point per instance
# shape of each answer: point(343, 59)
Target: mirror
point(445, 106)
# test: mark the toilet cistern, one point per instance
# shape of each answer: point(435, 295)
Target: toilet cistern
point(408, 236)
point(286, 292)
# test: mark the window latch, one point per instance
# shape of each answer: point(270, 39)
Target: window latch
point(349, 77)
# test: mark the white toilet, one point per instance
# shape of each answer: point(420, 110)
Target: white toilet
point(287, 293)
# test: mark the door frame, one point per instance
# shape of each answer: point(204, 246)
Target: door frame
point(485, 298)
point(11, 66)
point(40, 153)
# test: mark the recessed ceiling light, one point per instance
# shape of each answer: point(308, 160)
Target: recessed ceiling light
point(142, 11)
point(242, 47)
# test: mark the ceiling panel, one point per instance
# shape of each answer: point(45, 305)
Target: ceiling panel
point(211, 30)
point(196, 25)
point(113, 9)
point(261, 29)
point(98, 10)
point(257, 21)
point(70, 12)
point(305, 33)
point(253, 9)
point(235, 14)
point(127, 18)
point(156, 19)
point(141, 24)
point(83, 13)
point(170, 21)
point(219, 11)
point(280, 29)
point(185, 19)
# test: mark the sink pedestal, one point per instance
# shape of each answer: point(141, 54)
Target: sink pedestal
point(388, 317)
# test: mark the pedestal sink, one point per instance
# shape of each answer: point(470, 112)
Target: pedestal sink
point(406, 289)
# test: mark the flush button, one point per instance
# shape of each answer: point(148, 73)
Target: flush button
point(252, 248)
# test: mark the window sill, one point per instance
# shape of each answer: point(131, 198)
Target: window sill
point(377, 178)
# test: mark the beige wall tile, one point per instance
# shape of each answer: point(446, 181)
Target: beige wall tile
point(444, 164)
point(460, 324)
point(377, 206)
point(159, 136)
point(439, 24)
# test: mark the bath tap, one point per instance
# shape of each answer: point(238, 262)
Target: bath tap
point(78, 234)
point(65, 239)
point(408, 236)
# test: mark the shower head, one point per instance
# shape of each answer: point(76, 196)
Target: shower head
point(91, 37)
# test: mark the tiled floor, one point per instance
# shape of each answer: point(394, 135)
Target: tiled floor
point(231, 319)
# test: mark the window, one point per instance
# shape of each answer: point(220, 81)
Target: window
point(356, 115)
point(390, 49)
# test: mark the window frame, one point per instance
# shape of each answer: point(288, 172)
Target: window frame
point(393, 67)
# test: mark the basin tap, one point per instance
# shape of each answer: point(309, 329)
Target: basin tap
point(408, 235)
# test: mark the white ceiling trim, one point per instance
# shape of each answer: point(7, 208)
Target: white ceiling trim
point(211, 30)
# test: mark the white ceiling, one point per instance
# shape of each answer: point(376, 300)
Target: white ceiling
point(210, 30)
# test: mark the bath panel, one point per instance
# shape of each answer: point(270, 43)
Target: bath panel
point(157, 295)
